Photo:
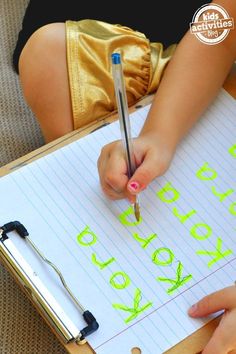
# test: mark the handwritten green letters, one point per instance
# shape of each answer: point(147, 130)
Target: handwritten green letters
point(164, 256)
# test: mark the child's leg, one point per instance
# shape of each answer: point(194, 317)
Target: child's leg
point(44, 79)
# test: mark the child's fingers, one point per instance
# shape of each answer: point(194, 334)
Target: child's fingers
point(112, 172)
point(216, 344)
point(223, 340)
point(219, 300)
point(145, 173)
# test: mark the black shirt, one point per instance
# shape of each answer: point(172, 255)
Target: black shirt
point(165, 21)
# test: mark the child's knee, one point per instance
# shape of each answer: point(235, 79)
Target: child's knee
point(43, 48)
point(49, 37)
point(40, 55)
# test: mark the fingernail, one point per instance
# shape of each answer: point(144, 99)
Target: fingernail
point(192, 309)
point(133, 186)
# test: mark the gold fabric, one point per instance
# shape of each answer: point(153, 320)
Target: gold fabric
point(90, 44)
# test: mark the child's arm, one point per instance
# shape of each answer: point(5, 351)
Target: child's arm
point(191, 81)
point(223, 340)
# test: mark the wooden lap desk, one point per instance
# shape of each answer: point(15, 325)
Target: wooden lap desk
point(194, 343)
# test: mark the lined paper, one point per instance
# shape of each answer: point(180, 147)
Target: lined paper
point(58, 197)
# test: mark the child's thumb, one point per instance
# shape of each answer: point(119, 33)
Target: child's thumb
point(144, 174)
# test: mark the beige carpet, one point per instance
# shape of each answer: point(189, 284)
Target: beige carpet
point(22, 331)
point(20, 132)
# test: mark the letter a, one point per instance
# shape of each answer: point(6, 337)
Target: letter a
point(206, 173)
point(168, 194)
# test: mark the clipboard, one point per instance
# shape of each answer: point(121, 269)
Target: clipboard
point(195, 341)
point(72, 347)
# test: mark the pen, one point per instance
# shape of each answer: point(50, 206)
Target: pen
point(123, 113)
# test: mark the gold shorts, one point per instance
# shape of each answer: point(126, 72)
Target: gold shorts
point(90, 44)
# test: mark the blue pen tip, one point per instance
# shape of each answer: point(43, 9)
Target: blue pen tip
point(115, 57)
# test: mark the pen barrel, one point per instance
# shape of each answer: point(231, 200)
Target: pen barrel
point(122, 107)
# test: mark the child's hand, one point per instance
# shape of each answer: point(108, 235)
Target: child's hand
point(152, 156)
point(223, 340)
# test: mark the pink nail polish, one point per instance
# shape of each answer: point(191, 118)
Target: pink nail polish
point(133, 186)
